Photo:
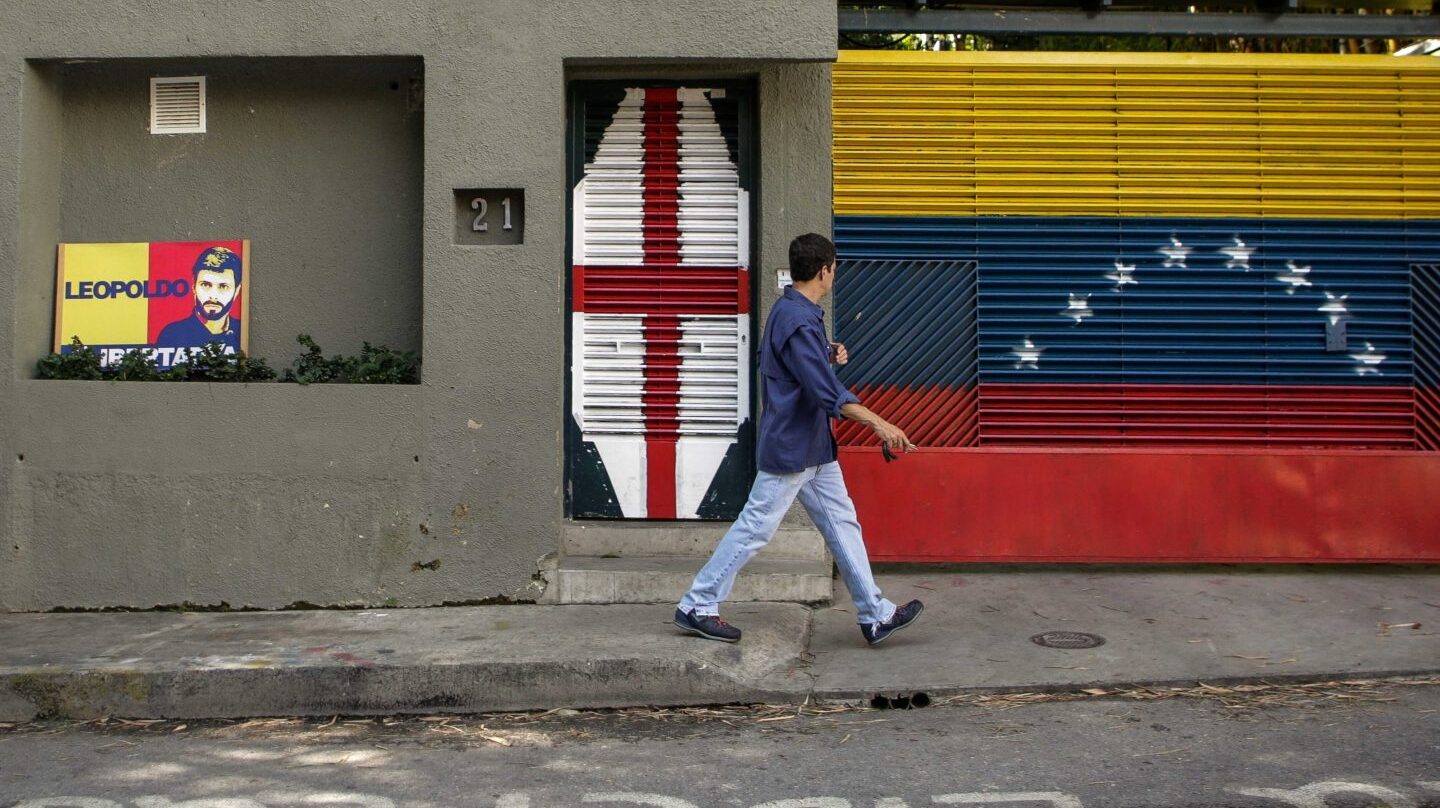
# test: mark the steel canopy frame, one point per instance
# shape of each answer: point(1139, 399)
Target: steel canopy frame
point(1162, 23)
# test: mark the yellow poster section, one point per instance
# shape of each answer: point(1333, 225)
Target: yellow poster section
point(108, 321)
point(1136, 134)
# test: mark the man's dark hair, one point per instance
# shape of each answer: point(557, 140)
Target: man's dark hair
point(218, 259)
point(808, 253)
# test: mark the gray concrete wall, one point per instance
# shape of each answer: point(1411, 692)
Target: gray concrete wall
point(140, 494)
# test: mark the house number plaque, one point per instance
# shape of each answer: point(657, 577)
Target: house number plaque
point(489, 215)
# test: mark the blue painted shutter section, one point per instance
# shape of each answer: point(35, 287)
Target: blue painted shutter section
point(1145, 332)
point(911, 329)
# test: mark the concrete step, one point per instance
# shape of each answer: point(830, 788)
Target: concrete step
point(688, 540)
point(664, 579)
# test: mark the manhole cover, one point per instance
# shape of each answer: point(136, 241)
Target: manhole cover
point(1068, 639)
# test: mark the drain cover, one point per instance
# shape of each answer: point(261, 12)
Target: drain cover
point(1068, 639)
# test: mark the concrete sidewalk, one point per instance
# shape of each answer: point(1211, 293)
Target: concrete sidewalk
point(1216, 624)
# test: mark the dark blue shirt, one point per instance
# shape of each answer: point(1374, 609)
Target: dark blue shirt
point(798, 387)
point(191, 333)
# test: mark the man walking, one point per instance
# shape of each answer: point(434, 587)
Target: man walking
point(797, 458)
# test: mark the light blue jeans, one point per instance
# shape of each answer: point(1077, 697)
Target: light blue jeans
point(822, 491)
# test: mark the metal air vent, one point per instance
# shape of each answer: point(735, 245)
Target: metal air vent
point(177, 105)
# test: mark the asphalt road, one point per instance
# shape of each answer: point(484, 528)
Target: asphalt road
point(1320, 747)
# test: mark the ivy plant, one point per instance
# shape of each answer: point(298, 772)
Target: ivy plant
point(79, 363)
point(374, 365)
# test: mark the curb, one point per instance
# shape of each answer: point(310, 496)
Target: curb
point(464, 688)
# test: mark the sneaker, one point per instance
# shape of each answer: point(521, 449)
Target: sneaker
point(875, 633)
point(706, 625)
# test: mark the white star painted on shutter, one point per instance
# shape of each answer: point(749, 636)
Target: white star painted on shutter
point(1368, 363)
point(1121, 276)
point(1078, 309)
point(1029, 355)
point(1295, 276)
point(1239, 255)
point(1334, 307)
point(1175, 254)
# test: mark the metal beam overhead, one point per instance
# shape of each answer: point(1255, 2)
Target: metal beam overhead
point(1119, 23)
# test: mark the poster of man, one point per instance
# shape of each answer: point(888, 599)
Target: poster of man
point(215, 284)
point(169, 298)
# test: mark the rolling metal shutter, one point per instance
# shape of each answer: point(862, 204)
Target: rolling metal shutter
point(1161, 240)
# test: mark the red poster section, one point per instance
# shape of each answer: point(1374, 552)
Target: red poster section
point(175, 261)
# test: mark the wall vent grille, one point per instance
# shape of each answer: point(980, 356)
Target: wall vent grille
point(177, 105)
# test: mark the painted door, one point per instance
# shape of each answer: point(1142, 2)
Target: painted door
point(659, 416)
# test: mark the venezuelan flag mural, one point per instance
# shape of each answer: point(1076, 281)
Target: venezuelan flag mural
point(169, 298)
point(1142, 306)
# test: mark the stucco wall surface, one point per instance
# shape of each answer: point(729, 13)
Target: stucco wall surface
point(140, 494)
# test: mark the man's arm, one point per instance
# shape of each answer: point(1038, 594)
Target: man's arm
point(806, 353)
point(889, 434)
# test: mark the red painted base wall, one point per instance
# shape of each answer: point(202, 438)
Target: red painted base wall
point(1147, 505)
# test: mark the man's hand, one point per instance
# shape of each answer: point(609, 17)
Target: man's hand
point(838, 354)
point(892, 436)
point(889, 434)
